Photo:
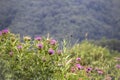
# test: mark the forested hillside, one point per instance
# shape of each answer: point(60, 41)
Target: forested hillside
point(61, 18)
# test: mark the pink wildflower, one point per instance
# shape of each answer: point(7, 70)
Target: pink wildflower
point(79, 66)
point(100, 72)
point(53, 42)
point(51, 51)
point(40, 46)
point(78, 59)
point(5, 31)
point(118, 66)
point(38, 38)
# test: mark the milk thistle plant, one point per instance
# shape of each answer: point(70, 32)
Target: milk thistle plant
point(42, 59)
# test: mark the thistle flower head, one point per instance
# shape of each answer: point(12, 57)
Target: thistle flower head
point(40, 46)
point(100, 72)
point(11, 53)
point(59, 52)
point(88, 69)
point(0, 33)
point(51, 51)
point(38, 38)
point(19, 47)
point(118, 66)
point(5, 31)
point(73, 69)
point(27, 38)
point(53, 42)
point(79, 66)
point(78, 59)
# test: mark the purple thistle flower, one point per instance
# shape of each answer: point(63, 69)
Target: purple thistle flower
point(5, 31)
point(38, 38)
point(88, 69)
point(73, 69)
point(79, 66)
point(100, 72)
point(59, 52)
point(78, 59)
point(118, 66)
point(51, 51)
point(0, 33)
point(11, 53)
point(53, 42)
point(40, 46)
point(19, 47)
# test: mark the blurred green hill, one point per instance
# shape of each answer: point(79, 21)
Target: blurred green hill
point(62, 18)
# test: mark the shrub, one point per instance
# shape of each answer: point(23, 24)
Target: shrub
point(42, 59)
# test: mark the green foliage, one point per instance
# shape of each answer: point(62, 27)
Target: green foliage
point(90, 52)
point(28, 62)
point(95, 57)
point(41, 59)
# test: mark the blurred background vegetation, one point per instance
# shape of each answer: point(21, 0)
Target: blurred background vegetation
point(71, 19)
